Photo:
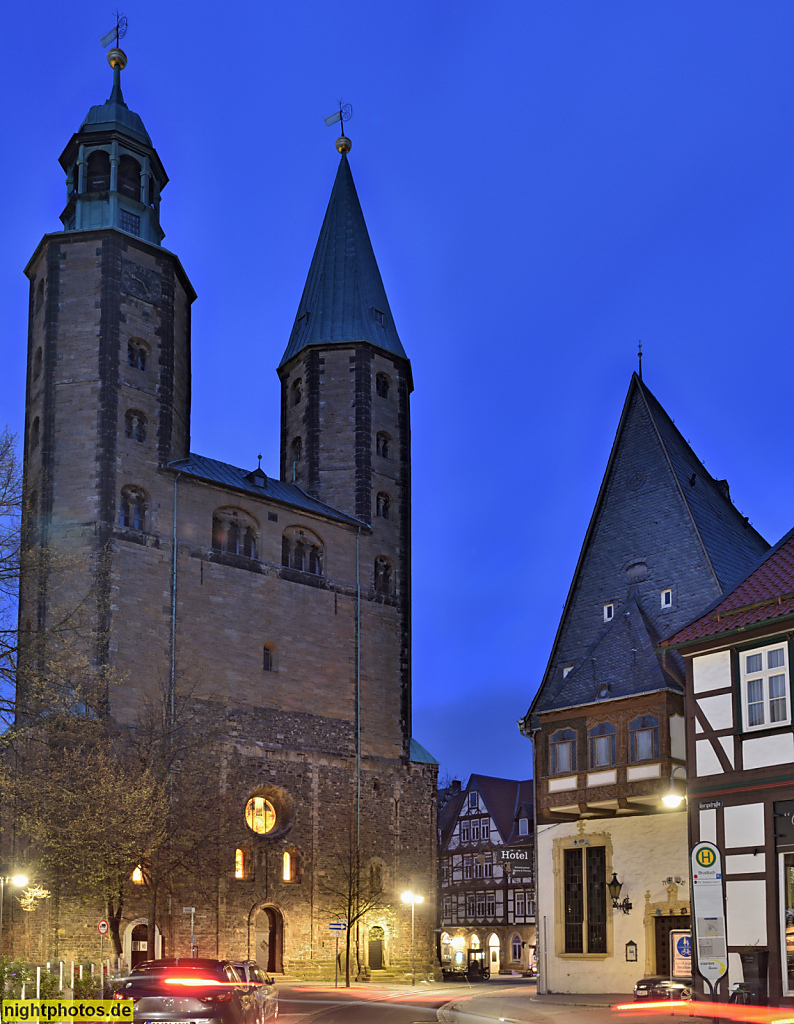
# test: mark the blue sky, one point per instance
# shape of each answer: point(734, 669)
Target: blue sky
point(545, 183)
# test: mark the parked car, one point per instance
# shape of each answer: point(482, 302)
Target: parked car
point(185, 990)
point(264, 987)
point(659, 986)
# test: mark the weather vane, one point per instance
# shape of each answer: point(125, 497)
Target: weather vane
point(116, 33)
point(639, 356)
point(344, 113)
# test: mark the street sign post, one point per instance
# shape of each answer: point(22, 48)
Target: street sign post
point(681, 954)
point(102, 927)
point(336, 927)
point(708, 913)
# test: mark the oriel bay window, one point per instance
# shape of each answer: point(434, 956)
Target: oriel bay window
point(585, 900)
point(602, 745)
point(644, 738)
point(562, 752)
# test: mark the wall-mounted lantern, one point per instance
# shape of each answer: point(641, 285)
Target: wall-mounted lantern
point(631, 951)
point(614, 888)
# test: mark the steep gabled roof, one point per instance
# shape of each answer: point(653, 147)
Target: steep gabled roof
point(210, 470)
point(766, 595)
point(344, 299)
point(503, 798)
point(660, 520)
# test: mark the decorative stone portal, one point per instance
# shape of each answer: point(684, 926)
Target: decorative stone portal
point(375, 952)
point(135, 942)
point(659, 919)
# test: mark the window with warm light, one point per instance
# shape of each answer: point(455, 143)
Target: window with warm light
point(260, 815)
point(286, 869)
point(137, 876)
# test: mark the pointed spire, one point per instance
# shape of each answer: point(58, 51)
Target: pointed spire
point(344, 299)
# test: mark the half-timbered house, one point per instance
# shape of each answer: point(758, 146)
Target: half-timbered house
point(740, 749)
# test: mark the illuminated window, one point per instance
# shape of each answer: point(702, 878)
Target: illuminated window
point(243, 863)
point(515, 948)
point(286, 870)
point(260, 815)
point(137, 876)
point(291, 866)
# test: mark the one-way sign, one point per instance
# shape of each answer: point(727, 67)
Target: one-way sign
point(338, 926)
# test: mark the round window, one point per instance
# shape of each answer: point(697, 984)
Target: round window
point(260, 816)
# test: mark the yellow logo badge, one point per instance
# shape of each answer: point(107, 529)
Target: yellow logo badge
point(705, 857)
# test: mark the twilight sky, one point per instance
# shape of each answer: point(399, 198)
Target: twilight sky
point(544, 184)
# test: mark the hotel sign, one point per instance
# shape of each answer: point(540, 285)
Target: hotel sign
point(517, 860)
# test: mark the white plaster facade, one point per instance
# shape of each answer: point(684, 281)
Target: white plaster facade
point(644, 851)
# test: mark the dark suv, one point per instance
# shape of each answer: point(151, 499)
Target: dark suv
point(263, 986)
point(189, 991)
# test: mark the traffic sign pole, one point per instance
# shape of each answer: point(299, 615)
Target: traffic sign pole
point(102, 927)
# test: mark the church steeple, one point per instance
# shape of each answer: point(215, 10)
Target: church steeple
point(344, 299)
point(113, 173)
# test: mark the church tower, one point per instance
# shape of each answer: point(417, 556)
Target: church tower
point(345, 400)
point(108, 379)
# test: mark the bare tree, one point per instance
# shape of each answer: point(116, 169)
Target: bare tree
point(350, 892)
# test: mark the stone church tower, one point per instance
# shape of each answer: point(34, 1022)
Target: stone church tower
point(285, 603)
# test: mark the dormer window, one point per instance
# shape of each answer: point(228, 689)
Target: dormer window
point(377, 316)
point(523, 826)
point(609, 612)
point(472, 801)
point(667, 599)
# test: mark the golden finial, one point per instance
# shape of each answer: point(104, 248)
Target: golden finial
point(117, 58)
point(343, 144)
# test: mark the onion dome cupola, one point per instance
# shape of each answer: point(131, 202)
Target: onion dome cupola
point(114, 177)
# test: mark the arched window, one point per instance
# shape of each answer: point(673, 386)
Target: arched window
point(98, 177)
point(129, 177)
point(135, 425)
point(297, 449)
point(382, 385)
point(297, 391)
point(269, 658)
point(37, 362)
point(243, 863)
point(383, 505)
point(602, 745)
point(515, 949)
point(382, 445)
point(235, 532)
point(302, 549)
point(35, 432)
point(644, 738)
point(291, 865)
point(376, 877)
point(132, 512)
point(384, 575)
point(562, 751)
point(137, 354)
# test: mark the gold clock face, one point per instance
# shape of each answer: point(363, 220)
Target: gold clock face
point(141, 282)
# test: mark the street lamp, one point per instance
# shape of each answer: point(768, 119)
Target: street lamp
point(673, 798)
point(413, 898)
point(19, 881)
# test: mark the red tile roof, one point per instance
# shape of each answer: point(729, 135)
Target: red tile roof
point(766, 594)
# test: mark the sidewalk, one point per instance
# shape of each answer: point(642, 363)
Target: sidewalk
point(517, 1006)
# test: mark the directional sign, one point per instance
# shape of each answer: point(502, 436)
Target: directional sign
point(708, 906)
point(102, 927)
point(681, 949)
point(338, 926)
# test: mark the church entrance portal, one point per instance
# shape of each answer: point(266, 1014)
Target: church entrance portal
point(269, 940)
point(140, 945)
point(376, 948)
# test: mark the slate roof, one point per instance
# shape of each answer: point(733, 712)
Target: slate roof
point(344, 298)
point(114, 113)
point(504, 799)
point(661, 513)
point(419, 754)
point(212, 471)
point(621, 662)
point(766, 595)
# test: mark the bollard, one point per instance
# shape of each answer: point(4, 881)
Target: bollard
point(23, 990)
point(38, 982)
point(71, 985)
point(60, 975)
point(81, 972)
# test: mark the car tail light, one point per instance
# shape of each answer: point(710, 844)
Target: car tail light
point(125, 995)
point(216, 997)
